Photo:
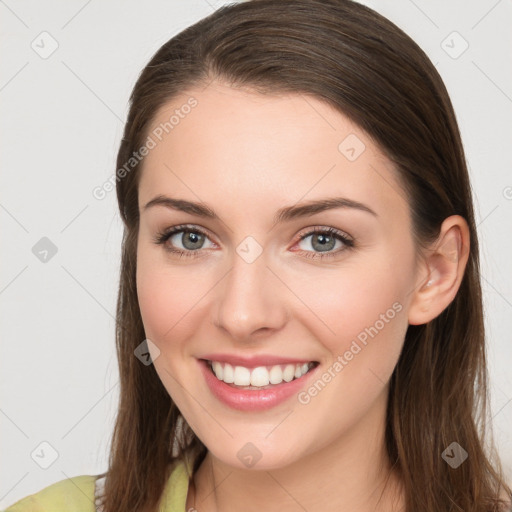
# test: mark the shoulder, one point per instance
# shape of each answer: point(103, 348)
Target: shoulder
point(174, 496)
point(83, 494)
point(175, 493)
point(74, 494)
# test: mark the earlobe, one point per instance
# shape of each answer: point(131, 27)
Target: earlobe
point(441, 272)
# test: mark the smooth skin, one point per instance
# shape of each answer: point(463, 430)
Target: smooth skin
point(246, 156)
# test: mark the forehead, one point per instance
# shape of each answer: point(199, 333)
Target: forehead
point(221, 142)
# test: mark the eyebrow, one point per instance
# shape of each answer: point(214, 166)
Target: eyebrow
point(284, 214)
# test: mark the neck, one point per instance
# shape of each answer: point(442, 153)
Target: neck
point(352, 473)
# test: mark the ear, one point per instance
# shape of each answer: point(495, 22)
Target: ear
point(441, 271)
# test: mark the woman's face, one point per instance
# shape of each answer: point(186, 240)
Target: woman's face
point(254, 279)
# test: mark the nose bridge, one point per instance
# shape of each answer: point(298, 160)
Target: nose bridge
point(249, 299)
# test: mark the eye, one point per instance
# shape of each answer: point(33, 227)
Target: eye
point(324, 240)
point(189, 240)
point(183, 240)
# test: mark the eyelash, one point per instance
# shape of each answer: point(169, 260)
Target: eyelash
point(162, 237)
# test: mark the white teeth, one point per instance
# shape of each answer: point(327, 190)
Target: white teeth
point(276, 375)
point(260, 376)
point(217, 368)
point(242, 376)
point(228, 376)
point(289, 373)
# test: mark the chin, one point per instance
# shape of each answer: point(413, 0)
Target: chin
point(260, 454)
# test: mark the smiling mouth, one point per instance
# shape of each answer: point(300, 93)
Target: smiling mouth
point(260, 377)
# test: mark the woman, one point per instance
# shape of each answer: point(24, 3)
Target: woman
point(300, 317)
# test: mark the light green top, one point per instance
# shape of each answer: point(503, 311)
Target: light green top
point(77, 495)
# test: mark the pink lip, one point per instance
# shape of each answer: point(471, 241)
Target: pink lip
point(254, 361)
point(252, 399)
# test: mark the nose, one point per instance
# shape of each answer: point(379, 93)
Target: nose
point(249, 302)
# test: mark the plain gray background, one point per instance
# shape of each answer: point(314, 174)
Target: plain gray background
point(61, 122)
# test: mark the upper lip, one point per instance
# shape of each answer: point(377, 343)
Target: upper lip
point(254, 361)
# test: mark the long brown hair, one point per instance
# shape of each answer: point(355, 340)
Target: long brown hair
point(364, 66)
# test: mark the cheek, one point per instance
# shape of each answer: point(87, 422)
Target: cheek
point(365, 308)
point(170, 305)
point(356, 304)
point(167, 297)
point(363, 325)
